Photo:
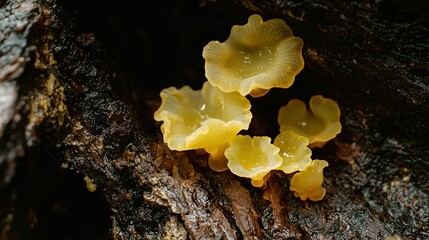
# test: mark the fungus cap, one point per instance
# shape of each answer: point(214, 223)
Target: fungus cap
point(201, 119)
point(255, 58)
point(294, 151)
point(319, 123)
point(252, 157)
point(308, 183)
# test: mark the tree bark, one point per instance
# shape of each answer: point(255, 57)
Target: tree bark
point(79, 84)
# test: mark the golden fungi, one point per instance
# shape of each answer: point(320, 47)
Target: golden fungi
point(252, 157)
point(206, 118)
point(255, 58)
point(294, 151)
point(319, 123)
point(308, 183)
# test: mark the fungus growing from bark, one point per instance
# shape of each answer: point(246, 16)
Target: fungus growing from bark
point(320, 123)
point(308, 183)
point(252, 157)
point(255, 58)
point(207, 118)
point(294, 151)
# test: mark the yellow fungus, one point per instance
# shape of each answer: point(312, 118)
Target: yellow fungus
point(261, 182)
point(319, 123)
point(294, 151)
point(255, 58)
point(252, 157)
point(308, 183)
point(90, 185)
point(217, 160)
point(207, 118)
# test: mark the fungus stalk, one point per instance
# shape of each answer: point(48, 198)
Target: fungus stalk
point(217, 160)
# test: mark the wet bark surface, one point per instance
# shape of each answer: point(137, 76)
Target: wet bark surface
point(82, 158)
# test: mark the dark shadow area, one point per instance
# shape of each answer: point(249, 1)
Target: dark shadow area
point(156, 44)
point(55, 204)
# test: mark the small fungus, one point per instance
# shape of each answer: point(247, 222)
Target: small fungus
point(308, 183)
point(90, 185)
point(252, 157)
point(255, 58)
point(294, 151)
point(320, 123)
point(207, 118)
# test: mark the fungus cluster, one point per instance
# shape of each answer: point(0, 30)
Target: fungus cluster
point(256, 57)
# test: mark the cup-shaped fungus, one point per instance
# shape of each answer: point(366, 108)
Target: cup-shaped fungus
point(252, 157)
point(294, 151)
point(207, 118)
point(255, 58)
point(308, 183)
point(319, 123)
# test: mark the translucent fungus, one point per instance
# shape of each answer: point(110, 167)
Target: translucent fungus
point(319, 123)
point(217, 160)
point(294, 151)
point(261, 182)
point(255, 58)
point(308, 183)
point(207, 118)
point(252, 157)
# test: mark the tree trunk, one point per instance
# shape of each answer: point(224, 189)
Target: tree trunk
point(79, 83)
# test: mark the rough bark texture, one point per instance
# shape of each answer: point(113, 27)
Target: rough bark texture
point(79, 83)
